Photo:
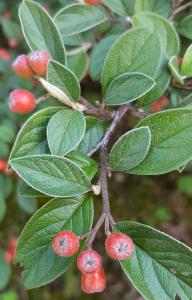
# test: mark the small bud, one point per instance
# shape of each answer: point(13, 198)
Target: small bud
point(65, 243)
point(89, 261)
point(93, 283)
point(119, 246)
point(38, 61)
point(21, 101)
point(22, 68)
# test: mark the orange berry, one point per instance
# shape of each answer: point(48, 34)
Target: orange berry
point(4, 54)
point(21, 101)
point(89, 261)
point(119, 246)
point(65, 243)
point(93, 2)
point(38, 61)
point(94, 282)
point(3, 165)
point(22, 68)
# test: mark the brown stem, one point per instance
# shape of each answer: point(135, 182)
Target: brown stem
point(94, 231)
point(104, 189)
point(179, 9)
point(101, 113)
point(117, 117)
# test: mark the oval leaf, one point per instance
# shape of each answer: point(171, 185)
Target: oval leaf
point(127, 88)
point(160, 7)
point(184, 27)
point(64, 79)
point(131, 149)
point(186, 68)
point(52, 175)
point(77, 18)
point(160, 25)
point(40, 31)
point(171, 144)
point(94, 131)
point(160, 267)
point(137, 50)
point(32, 138)
point(65, 131)
point(34, 250)
point(78, 64)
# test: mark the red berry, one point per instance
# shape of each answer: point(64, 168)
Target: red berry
point(6, 14)
point(159, 104)
point(119, 246)
point(21, 67)
point(94, 282)
point(89, 261)
point(4, 54)
point(9, 256)
point(12, 43)
point(65, 243)
point(93, 2)
point(21, 101)
point(3, 165)
point(38, 61)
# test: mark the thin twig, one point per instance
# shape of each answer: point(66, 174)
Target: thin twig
point(93, 110)
point(104, 189)
point(83, 48)
point(43, 98)
point(118, 116)
point(94, 231)
point(180, 9)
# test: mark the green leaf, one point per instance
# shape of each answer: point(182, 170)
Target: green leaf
point(3, 206)
point(127, 88)
point(160, 25)
point(6, 185)
point(77, 18)
point(40, 31)
point(26, 191)
point(7, 133)
point(78, 64)
point(123, 8)
point(160, 7)
point(137, 50)
point(34, 250)
point(5, 271)
point(64, 79)
point(171, 144)
point(186, 68)
point(174, 68)
point(162, 83)
point(160, 267)
point(87, 164)
point(94, 132)
point(28, 205)
point(32, 138)
point(52, 175)
point(65, 131)
point(184, 27)
point(131, 149)
point(98, 56)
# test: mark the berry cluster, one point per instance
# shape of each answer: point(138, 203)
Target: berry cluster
point(35, 64)
point(93, 279)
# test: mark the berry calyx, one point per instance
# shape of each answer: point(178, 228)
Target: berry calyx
point(21, 67)
point(21, 101)
point(89, 261)
point(3, 166)
point(93, 2)
point(65, 243)
point(94, 282)
point(38, 61)
point(119, 246)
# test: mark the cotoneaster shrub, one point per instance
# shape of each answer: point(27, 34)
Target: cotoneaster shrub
point(64, 152)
